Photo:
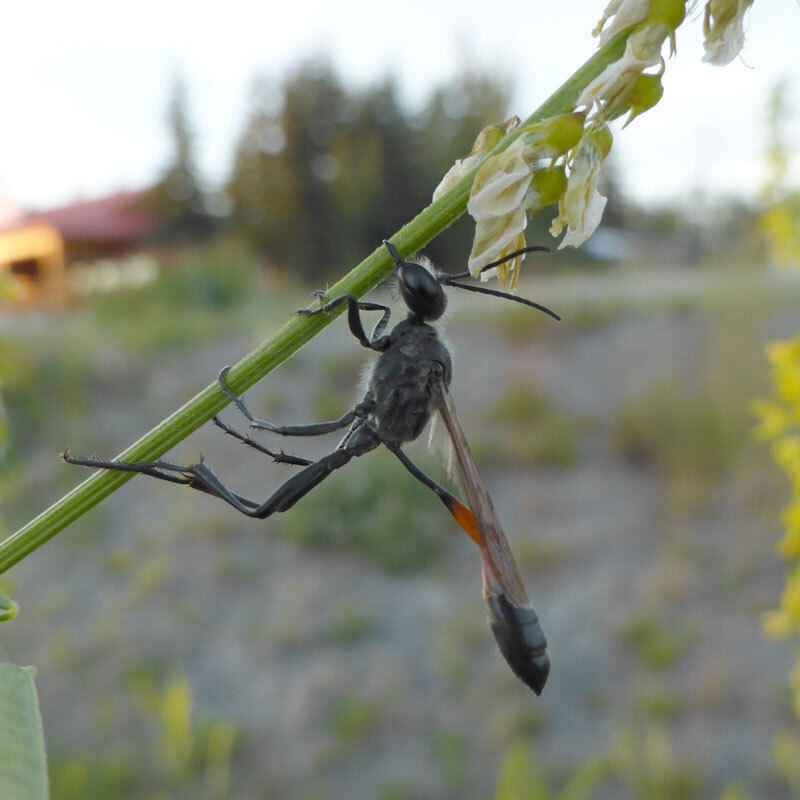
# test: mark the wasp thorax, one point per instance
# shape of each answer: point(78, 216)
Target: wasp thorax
point(421, 291)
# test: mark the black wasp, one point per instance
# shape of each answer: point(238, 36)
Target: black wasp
point(409, 381)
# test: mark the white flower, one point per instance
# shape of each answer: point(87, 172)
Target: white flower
point(723, 27)
point(581, 207)
point(645, 44)
point(497, 206)
point(456, 173)
point(486, 140)
point(496, 237)
point(642, 50)
point(625, 13)
point(500, 184)
point(589, 219)
point(612, 81)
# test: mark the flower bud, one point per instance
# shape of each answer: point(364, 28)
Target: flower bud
point(667, 12)
point(552, 137)
point(547, 186)
point(601, 140)
point(670, 13)
point(492, 134)
point(645, 93)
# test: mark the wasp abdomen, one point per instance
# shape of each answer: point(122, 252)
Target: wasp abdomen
point(521, 640)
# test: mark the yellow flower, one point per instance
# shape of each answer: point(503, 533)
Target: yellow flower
point(790, 599)
point(787, 386)
point(777, 624)
point(784, 353)
point(786, 619)
point(789, 544)
point(773, 420)
point(786, 453)
point(794, 683)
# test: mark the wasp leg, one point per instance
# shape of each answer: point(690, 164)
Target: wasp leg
point(313, 429)
point(279, 458)
point(361, 441)
point(461, 513)
point(186, 476)
point(200, 477)
point(376, 340)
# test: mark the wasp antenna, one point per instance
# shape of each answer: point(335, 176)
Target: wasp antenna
point(531, 249)
point(505, 296)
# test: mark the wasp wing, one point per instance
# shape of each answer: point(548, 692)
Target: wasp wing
point(511, 617)
point(502, 567)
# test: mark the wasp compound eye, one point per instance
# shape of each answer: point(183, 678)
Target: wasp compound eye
point(421, 292)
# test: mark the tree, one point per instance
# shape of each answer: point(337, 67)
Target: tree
point(323, 174)
point(177, 198)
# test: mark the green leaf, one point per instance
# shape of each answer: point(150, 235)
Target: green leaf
point(8, 608)
point(23, 764)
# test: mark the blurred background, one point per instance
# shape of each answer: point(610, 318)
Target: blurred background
point(172, 186)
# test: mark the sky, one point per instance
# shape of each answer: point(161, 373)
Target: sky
point(85, 84)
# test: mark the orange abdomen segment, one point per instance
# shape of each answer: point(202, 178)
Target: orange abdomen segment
point(466, 520)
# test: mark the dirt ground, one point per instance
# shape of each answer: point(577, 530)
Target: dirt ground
point(649, 572)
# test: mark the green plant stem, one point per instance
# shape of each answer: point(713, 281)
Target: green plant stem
point(295, 333)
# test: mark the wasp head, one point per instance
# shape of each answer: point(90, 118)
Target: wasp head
point(419, 288)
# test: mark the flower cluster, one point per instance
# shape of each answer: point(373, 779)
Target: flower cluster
point(560, 159)
point(624, 86)
point(523, 178)
point(780, 423)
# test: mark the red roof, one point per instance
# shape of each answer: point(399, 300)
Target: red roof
point(117, 218)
